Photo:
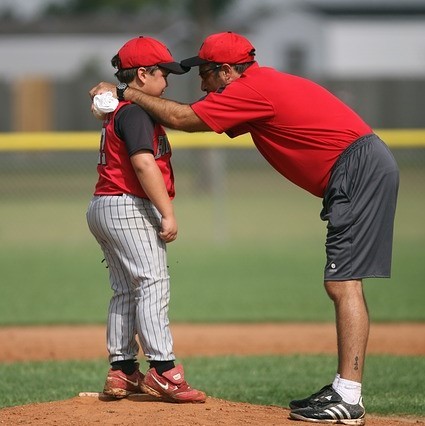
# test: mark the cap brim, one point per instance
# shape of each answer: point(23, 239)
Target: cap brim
point(193, 62)
point(174, 67)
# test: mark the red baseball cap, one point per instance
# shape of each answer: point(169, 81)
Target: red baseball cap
point(222, 48)
point(146, 52)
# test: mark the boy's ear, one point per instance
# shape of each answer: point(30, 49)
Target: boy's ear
point(141, 74)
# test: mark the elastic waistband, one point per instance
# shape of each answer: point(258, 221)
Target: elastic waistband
point(358, 143)
point(124, 195)
point(108, 195)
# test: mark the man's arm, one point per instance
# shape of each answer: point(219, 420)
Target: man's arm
point(169, 113)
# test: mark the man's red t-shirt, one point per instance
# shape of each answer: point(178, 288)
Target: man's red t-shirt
point(297, 125)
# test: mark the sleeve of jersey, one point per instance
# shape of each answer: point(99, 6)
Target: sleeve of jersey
point(136, 128)
point(231, 109)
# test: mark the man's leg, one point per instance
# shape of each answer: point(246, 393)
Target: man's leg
point(341, 402)
point(352, 326)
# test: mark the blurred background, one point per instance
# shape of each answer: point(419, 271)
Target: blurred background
point(248, 238)
point(370, 53)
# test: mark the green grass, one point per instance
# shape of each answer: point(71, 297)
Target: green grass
point(245, 261)
point(273, 380)
point(219, 284)
point(53, 286)
point(253, 252)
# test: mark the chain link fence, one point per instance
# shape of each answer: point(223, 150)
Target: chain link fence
point(222, 194)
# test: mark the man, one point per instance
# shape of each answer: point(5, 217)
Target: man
point(321, 145)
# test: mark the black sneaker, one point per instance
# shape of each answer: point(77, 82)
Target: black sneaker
point(306, 402)
point(331, 408)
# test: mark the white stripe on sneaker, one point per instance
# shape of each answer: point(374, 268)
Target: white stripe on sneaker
point(347, 413)
point(338, 412)
point(332, 414)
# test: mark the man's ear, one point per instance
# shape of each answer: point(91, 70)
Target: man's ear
point(229, 73)
point(227, 69)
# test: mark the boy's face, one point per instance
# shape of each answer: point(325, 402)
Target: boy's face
point(156, 82)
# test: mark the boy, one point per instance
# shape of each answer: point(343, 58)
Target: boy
point(131, 216)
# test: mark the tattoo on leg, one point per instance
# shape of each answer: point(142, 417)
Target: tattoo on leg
point(356, 363)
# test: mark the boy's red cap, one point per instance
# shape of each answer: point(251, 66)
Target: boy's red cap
point(146, 52)
point(222, 48)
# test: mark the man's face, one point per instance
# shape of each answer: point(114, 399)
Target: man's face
point(211, 77)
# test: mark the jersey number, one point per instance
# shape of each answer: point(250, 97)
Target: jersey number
point(102, 155)
point(163, 146)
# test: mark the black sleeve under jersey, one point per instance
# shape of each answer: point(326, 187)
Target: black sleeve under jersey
point(135, 127)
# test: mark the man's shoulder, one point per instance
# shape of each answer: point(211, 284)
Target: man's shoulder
point(264, 70)
point(260, 74)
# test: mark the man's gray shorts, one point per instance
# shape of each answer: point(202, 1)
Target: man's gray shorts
point(359, 206)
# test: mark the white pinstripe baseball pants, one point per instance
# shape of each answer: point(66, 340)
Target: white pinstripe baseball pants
point(126, 227)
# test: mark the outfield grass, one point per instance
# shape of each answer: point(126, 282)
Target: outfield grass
point(259, 380)
point(250, 260)
point(238, 283)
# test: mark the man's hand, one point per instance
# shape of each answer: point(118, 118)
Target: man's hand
point(102, 88)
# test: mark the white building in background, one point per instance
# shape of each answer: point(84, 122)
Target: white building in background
point(337, 38)
point(56, 56)
point(333, 38)
point(368, 52)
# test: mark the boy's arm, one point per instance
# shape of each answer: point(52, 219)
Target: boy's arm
point(152, 182)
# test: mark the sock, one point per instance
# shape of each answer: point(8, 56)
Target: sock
point(349, 391)
point(161, 366)
point(127, 366)
point(336, 380)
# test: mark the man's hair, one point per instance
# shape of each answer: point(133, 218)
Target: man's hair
point(129, 74)
point(241, 68)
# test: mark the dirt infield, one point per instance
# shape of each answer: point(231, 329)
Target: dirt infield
point(88, 342)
